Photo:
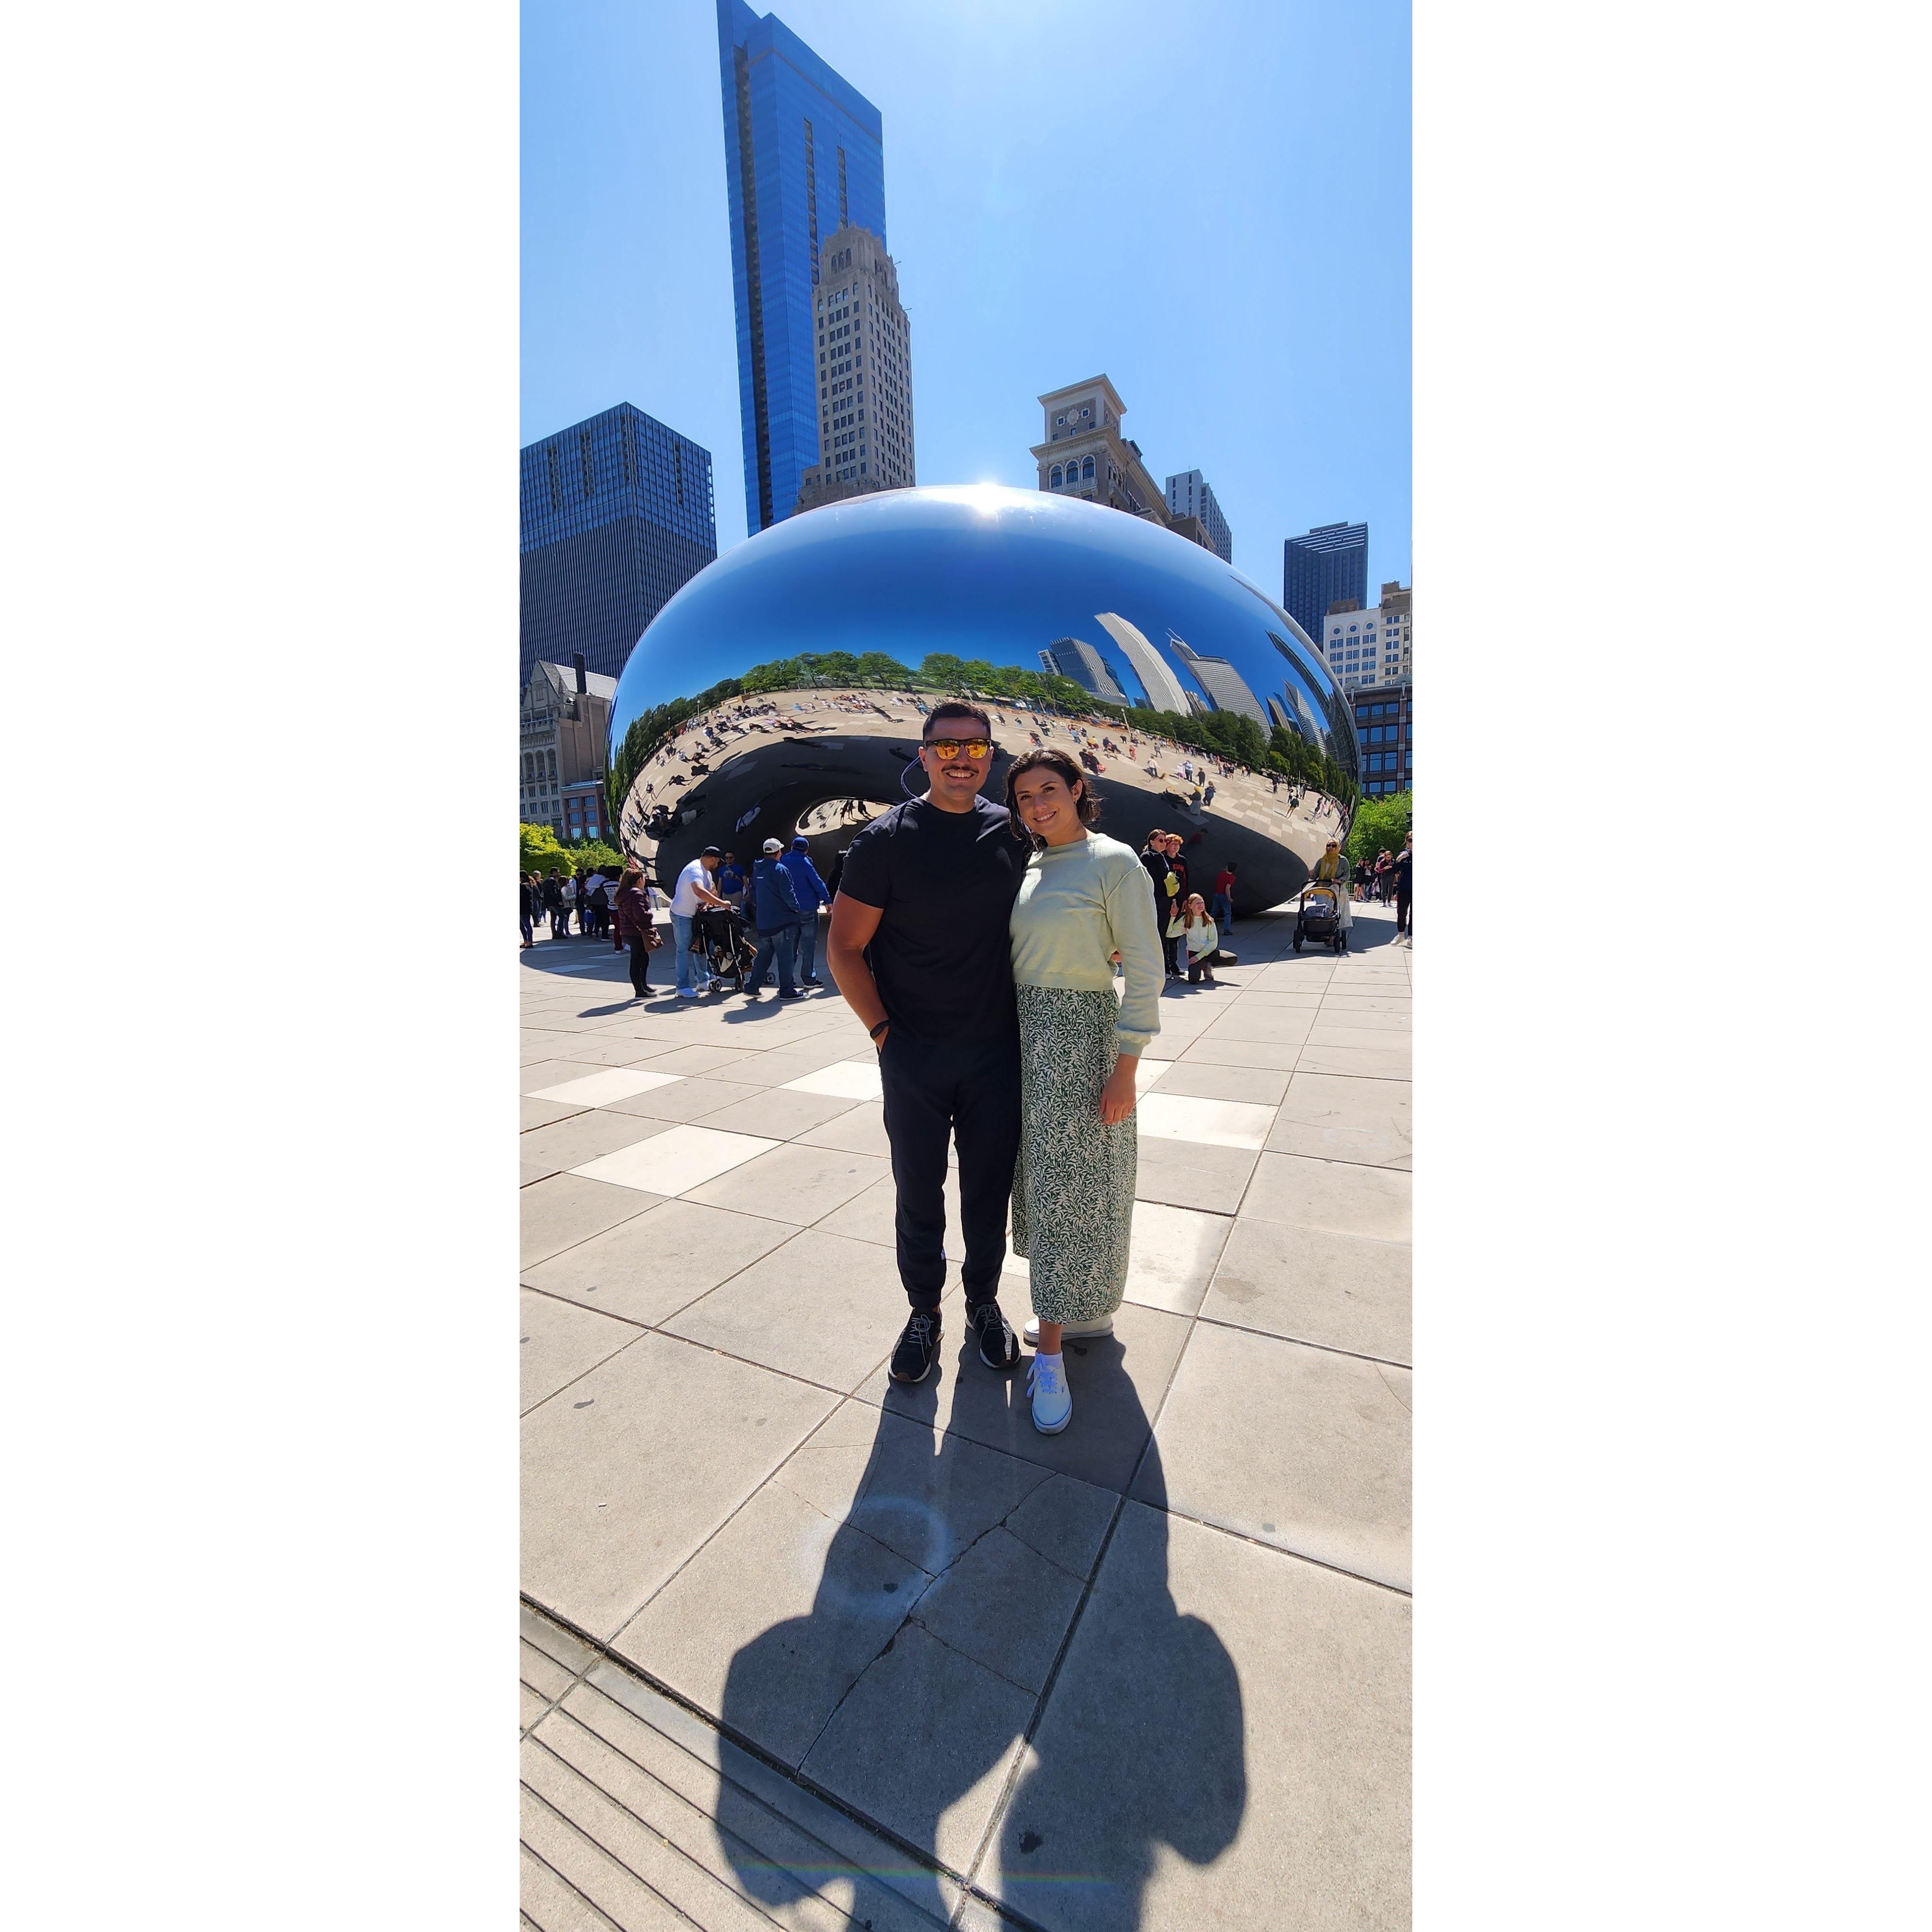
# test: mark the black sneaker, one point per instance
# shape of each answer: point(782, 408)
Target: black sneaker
point(999, 1346)
point(918, 1349)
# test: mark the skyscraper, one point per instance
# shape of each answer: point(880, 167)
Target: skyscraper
point(1070, 658)
point(804, 156)
point(1224, 684)
point(1330, 563)
point(865, 373)
point(1188, 495)
point(617, 515)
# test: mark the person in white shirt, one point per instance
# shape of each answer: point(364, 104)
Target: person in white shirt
point(693, 890)
point(1203, 942)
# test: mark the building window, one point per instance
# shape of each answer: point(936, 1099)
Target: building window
point(1056, 476)
point(1086, 470)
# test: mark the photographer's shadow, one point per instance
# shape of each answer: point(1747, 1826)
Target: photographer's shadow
point(941, 1616)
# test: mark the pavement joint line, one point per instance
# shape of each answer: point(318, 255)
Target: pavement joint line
point(744, 1792)
point(1300, 1342)
point(571, 1824)
point(803, 1831)
point(669, 1844)
point(811, 1786)
point(589, 1905)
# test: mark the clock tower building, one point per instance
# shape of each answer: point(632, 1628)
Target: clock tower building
point(1084, 455)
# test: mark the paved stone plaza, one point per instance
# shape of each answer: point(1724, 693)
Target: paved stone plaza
point(804, 1648)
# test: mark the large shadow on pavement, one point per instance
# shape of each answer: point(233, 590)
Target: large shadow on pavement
point(1135, 1724)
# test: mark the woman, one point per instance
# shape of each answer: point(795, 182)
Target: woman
point(636, 928)
point(1082, 898)
point(1202, 942)
point(1332, 869)
point(529, 899)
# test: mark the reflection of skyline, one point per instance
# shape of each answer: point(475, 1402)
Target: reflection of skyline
point(1165, 691)
point(1222, 682)
point(1073, 658)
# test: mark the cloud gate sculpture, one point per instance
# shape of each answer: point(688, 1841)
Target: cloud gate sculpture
point(782, 690)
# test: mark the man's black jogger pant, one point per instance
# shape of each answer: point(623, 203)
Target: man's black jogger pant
point(964, 1090)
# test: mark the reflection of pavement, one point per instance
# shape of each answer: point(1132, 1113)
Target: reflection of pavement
point(801, 1643)
point(1148, 772)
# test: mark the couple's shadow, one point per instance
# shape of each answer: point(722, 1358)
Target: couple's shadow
point(948, 1590)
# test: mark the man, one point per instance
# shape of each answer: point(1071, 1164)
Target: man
point(553, 902)
point(919, 948)
point(693, 890)
point(1404, 862)
point(779, 918)
point(568, 891)
point(1223, 914)
point(731, 880)
point(812, 893)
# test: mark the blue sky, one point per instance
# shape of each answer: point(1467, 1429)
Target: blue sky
point(1210, 204)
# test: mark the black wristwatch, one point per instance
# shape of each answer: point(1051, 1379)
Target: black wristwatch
point(879, 1029)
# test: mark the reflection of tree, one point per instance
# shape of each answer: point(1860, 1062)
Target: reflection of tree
point(1294, 758)
point(1232, 733)
point(939, 671)
point(649, 730)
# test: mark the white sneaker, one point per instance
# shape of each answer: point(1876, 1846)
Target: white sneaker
point(1079, 1330)
point(1052, 1402)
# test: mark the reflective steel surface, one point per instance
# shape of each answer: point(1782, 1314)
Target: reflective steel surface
point(991, 577)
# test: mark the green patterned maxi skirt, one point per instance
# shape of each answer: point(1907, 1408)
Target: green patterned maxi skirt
point(1073, 1188)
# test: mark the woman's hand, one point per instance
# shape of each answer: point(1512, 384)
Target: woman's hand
point(1117, 1097)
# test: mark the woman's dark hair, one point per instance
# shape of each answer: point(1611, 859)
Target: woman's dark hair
point(1057, 761)
point(955, 707)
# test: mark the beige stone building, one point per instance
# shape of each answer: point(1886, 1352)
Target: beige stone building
point(1085, 453)
point(865, 373)
point(565, 718)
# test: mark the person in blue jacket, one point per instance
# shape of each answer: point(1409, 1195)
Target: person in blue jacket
point(776, 901)
point(812, 892)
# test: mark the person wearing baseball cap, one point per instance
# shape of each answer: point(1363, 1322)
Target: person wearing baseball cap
point(775, 902)
point(813, 893)
point(693, 889)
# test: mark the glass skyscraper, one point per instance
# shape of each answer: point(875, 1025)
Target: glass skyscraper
point(1328, 564)
point(617, 516)
point(804, 155)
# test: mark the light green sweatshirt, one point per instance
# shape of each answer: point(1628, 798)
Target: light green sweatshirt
point(1078, 903)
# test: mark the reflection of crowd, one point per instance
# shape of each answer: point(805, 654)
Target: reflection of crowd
point(1191, 782)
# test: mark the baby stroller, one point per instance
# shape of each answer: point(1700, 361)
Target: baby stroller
point(1318, 916)
point(719, 933)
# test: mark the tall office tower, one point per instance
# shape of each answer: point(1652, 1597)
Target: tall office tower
point(1071, 658)
point(1365, 647)
point(803, 157)
point(1163, 691)
point(865, 373)
point(1226, 689)
point(617, 515)
point(1085, 455)
point(1325, 566)
point(1188, 495)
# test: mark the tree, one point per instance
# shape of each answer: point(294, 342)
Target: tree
point(541, 851)
point(1380, 825)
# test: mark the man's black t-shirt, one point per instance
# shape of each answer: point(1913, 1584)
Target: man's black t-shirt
point(945, 883)
point(1403, 860)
